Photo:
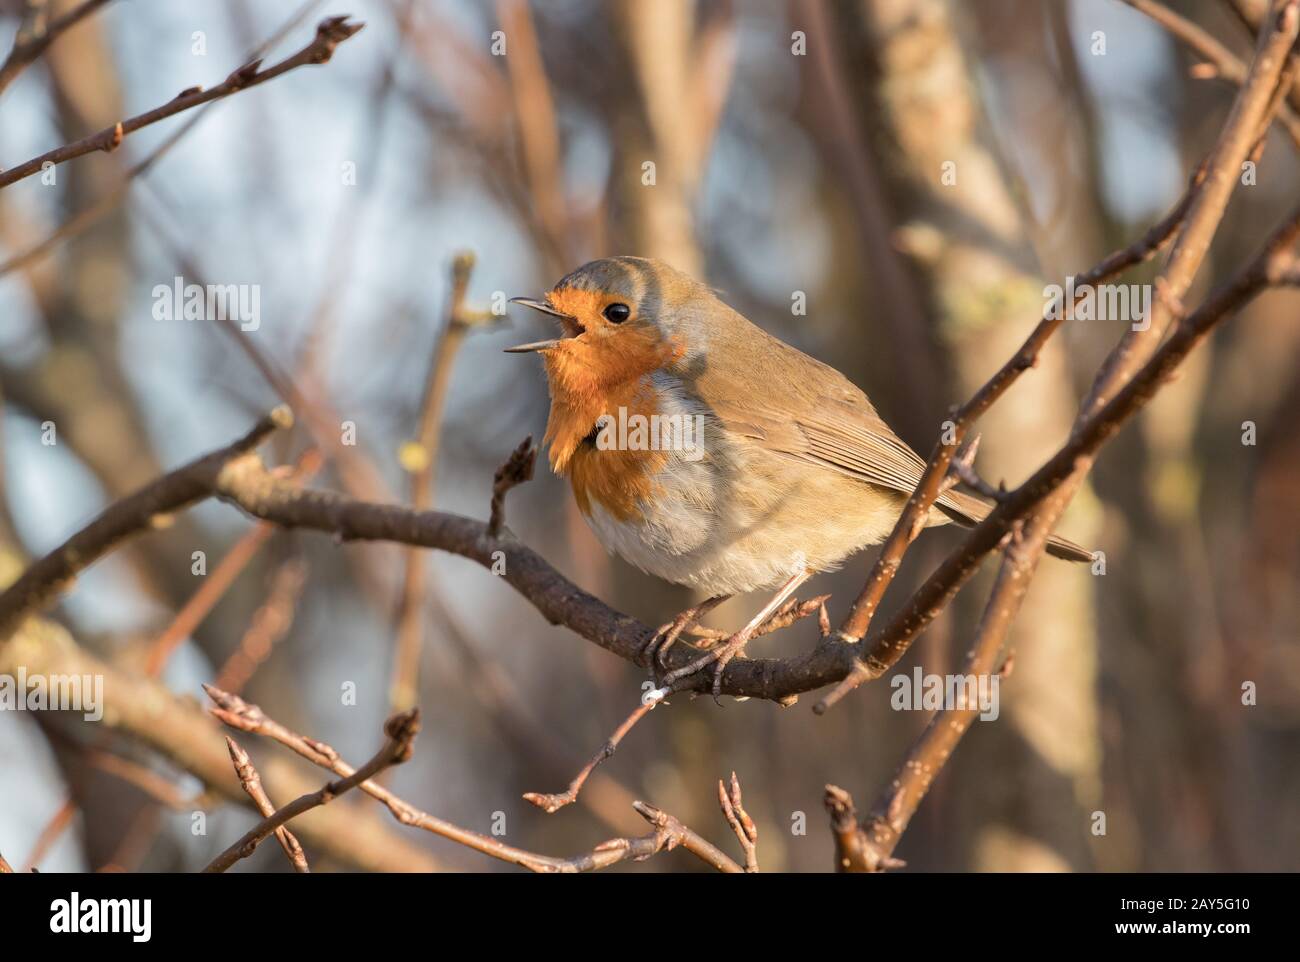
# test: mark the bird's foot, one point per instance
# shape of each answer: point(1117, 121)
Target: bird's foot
point(719, 656)
point(722, 655)
point(665, 636)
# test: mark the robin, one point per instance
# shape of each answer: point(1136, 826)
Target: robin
point(707, 452)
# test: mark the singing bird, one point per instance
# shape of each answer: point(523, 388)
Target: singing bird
point(761, 466)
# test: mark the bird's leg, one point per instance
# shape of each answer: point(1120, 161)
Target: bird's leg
point(728, 650)
point(656, 649)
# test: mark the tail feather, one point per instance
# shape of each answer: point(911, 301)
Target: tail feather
point(968, 510)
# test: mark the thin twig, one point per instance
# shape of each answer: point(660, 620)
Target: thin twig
point(237, 713)
point(517, 470)
point(535, 119)
point(85, 218)
point(59, 821)
point(420, 457)
point(497, 693)
point(551, 804)
point(162, 790)
point(1226, 64)
point(36, 34)
point(329, 34)
point(252, 784)
point(400, 730)
point(210, 591)
point(222, 577)
point(741, 824)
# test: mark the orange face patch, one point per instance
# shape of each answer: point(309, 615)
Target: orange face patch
point(586, 306)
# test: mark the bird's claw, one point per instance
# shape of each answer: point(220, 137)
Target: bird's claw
point(719, 657)
point(656, 649)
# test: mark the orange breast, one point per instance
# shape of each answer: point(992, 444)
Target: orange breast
point(592, 378)
point(616, 480)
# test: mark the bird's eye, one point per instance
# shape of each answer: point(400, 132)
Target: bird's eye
point(617, 313)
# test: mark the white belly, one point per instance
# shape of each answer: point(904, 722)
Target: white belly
point(686, 544)
point(746, 520)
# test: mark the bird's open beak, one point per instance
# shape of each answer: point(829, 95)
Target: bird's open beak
point(534, 346)
point(569, 325)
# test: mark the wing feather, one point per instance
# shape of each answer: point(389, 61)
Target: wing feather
point(763, 389)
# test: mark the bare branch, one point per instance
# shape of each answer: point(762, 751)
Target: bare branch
point(222, 577)
point(37, 33)
point(1225, 64)
point(237, 713)
point(55, 827)
point(420, 457)
point(252, 784)
point(174, 728)
point(147, 508)
point(269, 624)
point(517, 470)
point(928, 489)
point(329, 34)
point(401, 730)
point(1136, 368)
point(733, 810)
point(551, 804)
point(88, 216)
point(1208, 199)
point(161, 789)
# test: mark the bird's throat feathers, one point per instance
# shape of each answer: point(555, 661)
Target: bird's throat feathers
point(590, 378)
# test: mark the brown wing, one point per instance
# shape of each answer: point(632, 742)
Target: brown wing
point(793, 404)
point(784, 400)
